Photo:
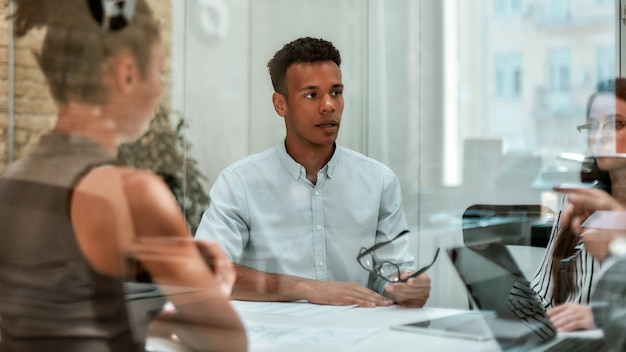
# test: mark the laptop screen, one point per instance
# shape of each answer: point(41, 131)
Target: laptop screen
point(495, 283)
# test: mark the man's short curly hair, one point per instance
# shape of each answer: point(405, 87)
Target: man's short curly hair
point(301, 50)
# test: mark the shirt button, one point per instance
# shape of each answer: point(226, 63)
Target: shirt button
point(321, 263)
point(317, 193)
point(319, 227)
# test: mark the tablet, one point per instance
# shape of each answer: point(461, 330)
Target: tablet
point(471, 326)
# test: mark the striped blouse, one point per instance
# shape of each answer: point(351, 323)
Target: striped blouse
point(585, 266)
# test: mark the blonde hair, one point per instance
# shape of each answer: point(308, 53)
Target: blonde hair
point(76, 49)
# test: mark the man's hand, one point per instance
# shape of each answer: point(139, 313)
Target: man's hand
point(341, 293)
point(571, 316)
point(413, 293)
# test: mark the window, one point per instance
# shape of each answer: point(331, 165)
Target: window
point(559, 10)
point(605, 62)
point(507, 7)
point(508, 75)
point(559, 68)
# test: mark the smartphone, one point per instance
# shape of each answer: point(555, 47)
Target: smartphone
point(469, 326)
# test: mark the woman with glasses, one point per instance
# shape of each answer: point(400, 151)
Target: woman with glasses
point(565, 278)
point(70, 213)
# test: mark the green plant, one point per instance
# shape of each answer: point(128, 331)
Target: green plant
point(164, 151)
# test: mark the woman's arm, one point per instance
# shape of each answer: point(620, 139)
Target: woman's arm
point(122, 211)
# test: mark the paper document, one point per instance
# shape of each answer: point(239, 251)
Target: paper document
point(336, 337)
point(292, 309)
point(605, 219)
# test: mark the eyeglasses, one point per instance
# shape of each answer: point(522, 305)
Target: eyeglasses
point(112, 15)
point(609, 125)
point(389, 271)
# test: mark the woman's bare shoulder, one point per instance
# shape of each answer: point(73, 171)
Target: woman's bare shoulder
point(139, 194)
point(105, 180)
point(127, 202)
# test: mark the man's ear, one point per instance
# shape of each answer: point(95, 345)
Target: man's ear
point(280, 104)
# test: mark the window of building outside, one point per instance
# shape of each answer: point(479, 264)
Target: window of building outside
point(559, 68)
point(468, 101)
point(507, 7)
point(508, 75)
point(560, 73)
point(605, 62)
point(559, 10)
point(549, 58)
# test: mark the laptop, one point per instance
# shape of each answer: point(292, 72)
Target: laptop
point(518, 321)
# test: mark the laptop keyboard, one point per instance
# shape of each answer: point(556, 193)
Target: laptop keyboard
point(579, 344)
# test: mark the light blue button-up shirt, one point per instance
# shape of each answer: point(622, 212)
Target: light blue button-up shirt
point(268, 216)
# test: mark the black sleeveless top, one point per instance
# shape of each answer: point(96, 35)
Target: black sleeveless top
point(51, 298)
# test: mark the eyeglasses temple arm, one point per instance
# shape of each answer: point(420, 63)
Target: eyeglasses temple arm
point(423, 270)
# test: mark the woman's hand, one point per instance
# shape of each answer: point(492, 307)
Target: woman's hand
point(219, 263)
point(571, 316)
point(582, 202)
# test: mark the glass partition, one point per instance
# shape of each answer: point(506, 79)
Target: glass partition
point(468, 101)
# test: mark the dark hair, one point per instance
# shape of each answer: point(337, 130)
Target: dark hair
point(566, 239)
point(563, 273)
point(76, 48)
point(616, 87)
point(302, 50)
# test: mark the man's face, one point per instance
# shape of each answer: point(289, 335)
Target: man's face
point(313, 109)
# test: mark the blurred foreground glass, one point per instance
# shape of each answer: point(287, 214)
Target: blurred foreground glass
point(389, 271)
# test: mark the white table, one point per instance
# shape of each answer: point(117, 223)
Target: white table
point(383, 339)
point(274, 320)
point(380, 318)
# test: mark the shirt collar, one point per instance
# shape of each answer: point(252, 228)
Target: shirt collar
point(296, 170)
point(332, 163)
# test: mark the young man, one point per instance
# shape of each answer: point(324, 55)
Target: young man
point(295, 217)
